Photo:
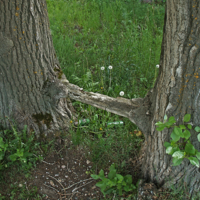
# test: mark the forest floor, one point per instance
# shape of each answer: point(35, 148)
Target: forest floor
point(66, 174)
point(63, 174)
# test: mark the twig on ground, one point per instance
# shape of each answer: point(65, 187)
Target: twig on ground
point(73, 195)
point(57, 181)
point(45, 161)
point(82, 186)
point(52, 188)
point(77, 183)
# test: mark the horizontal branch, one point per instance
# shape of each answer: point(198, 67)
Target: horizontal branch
point(134, 109)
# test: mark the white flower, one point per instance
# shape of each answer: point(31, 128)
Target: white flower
point(110, 67)
point(157, 66)
point(121, 93)
point(20, 185)
point(102, 68)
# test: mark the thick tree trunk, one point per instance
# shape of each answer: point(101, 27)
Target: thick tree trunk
point(31, 92)
point(175, 94)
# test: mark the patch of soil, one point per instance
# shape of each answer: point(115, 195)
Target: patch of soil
point(66, 174)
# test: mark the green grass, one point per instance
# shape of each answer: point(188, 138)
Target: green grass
point(88, 34)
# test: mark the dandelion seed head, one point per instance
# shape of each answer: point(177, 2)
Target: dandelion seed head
point(110, 67)
point(102, 68)
point(157, 66)
point(121, 93)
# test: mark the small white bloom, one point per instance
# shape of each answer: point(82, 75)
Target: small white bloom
point(121, 93)
point(20, 185)
point(110, 67)
point(157, 66)
point(102, 68)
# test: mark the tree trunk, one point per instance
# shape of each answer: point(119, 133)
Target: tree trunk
point(33, 89)
point(31, 92)
point(175, 94)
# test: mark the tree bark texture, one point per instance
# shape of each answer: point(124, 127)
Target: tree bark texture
point(31, 92)
point(176, 93)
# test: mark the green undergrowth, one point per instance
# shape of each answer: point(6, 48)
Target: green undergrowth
point(19, 154)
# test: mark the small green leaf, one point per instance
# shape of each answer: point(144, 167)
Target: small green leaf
point(198, 137)
point(182, 126)
point(178, 131)
point(175, 137)
point(161, 127)
point(187, 118)
point(194, 161)
point(178, 154)
point(13, 157)
point(165, 117)
point(1, 143)
point(172, 120)
point(197, 129)
point(168, 124)
point(158, 123)
point(120, 177)
point(189, 126)
point(169, 150)
point(189, 148)
point(94, 176)
point(186, 134)
point(177, 161)
point(198, 155)
point(127, 188)
point(128, 179)
point(112, 173)
point(2, 155)
point(101, 174)
point(167, 144)
point(102, 185)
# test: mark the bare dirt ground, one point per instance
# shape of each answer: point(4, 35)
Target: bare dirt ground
point(65, 174)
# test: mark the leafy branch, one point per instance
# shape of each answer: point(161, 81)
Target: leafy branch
point(180, 149)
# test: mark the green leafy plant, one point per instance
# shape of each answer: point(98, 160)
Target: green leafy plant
point(115, 183)
point(16, 148)
point(85, 81)
point(180, 146)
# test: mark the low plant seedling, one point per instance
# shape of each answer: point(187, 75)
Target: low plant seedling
point(115, 183)
point(180, 150)
point(16, 147)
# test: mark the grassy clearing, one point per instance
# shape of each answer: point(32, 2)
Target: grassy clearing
point(89, 34)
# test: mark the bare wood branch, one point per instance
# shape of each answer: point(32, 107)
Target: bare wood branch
point(137, 110)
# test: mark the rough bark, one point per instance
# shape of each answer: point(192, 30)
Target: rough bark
point(175, 94)
point(31, 92)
